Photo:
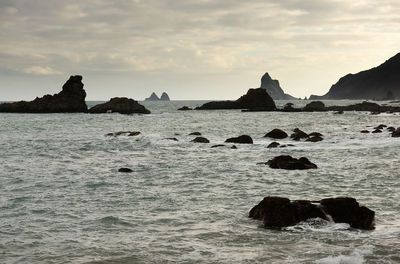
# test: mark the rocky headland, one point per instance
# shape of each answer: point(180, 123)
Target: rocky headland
point(379, 83)
point(70, 100)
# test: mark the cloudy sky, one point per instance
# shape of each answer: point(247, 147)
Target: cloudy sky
point(192, 49)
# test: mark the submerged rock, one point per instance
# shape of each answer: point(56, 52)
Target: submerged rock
point(364, 131)
point(200, 140)
point(70, 100)
point(243, 139)
point(314, 139)
point(273, 145)
point(287, 162)
point(120, 105)
point(195, 134)
point(279, 212)
point(396, 133)
point(276, 134)
point(126, 170)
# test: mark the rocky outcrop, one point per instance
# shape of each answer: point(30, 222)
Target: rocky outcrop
point(286, 162)
point(379, 83)
point(125, 170)
point(123, 133)
point(276, 134)
point(243, 139)
point(153, 97)
point(273, 88)
point(120, 105)
point(314, 106)
point(273, 145)
point(255, 99)
point(70, 100)
point(298, 134)
point(279, 212)
point(185, 108)
point(164, 97)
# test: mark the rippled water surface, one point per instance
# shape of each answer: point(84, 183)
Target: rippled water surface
point(62, 199)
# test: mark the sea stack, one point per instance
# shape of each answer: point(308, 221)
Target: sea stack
point(153, 97)
point(273, 88)
point(70, 100)
point(164, 97)
point(120, 105)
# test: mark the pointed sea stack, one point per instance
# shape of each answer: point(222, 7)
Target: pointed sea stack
point(273, 88)
point(254, 100)
point(153, 97)
point(70, 100)
point(164, 97)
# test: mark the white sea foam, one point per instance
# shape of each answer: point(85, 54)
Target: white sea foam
point(357, 256)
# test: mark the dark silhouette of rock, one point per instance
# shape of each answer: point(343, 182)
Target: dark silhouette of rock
point(364, 131)
point(377, 131)
point(172, 138)
point(314, 106)
point(126, 170)
point(185, 108)
point(289, 108)
point(255, 100)
point(339, 112)
point(313, 134)
point(391, 129)
point(195, 134)
point(347, 210)
point(298, 134)
point(273, 145)
point(200, 140)
point(274, 89)
point(279, 212)
point(126, 133)
point(276, 134)
point(286, 162)
point(218, 146)
point(382, 82)
point(243, 139)
point(314, 139)
point(120, 105)
point(70, 100)
point(164, 97)
point(153, 97)
point(381, 126)
point(233, 147)
point(396, 133)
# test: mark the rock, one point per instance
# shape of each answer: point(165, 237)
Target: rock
point(126, 170)
point(233, 147)
point(364, 131)
point(273, 88)
point(133, 133)
point(273, 145)
point(172, 138)
point(153, 97)
point(185, 108)
point(164, 97)
point(255, 100)
point(298, 134)
point(243, 139)
point(279, 212)
point(391, 129)
point(313, 134)
point(200, 140)
point(120, 105)
point(314, 139)
point(347, 210)
point(396, 133)
point(380, 82)
point(314, 106)
point(286, 162)
point(289, 108)
point(119, 133)
point(276, 134)
point(380, 127)
point(195, 134)
point(338, 112)
point(70, 100)
point(377, 131)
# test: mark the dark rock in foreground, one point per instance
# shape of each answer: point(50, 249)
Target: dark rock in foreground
point(243, 139)
point(314, 106)
point(255, 100)
point(276, 134)
point(70, 100)
point(200, 140)
point(120, 105)
point(278, 212)
point(298, 134)
point(185, 108)
point(126, 170)
point(396, 133)
point(287, 162)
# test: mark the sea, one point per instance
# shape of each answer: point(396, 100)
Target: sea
point(62, 199)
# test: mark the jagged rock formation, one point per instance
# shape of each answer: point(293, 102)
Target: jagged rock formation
point(379, 83)
point(278, 212)
point(255, 99)
point(164, 97)
point(274, 89)
point(70, 100)
point(120, 105)
point(154, 97)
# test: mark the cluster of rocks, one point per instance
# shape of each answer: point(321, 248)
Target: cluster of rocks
point(395, 132)
point(154, 97)
point(279, 212)
point(123, 133)
point(296, 135)
point(287, 162)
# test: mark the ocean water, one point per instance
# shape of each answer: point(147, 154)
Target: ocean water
point(62, 199)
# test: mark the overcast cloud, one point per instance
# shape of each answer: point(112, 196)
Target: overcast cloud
point(199, 49)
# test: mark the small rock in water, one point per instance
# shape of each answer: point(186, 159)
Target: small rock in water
point(377, 131)
point(273, 145)
point(243, 139)
point(195, 134)
point(314, 139)
point(276, 134)
point(396, 133)
point(233, 147)
point(127, 170)
point(391, 129)
point(364, 131)
point(173, 139)
point(185, 108)
point(298, 134)
point(200, 140)
point(287, 162)
point(217, 146)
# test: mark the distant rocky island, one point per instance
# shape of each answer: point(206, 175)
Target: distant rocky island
point(72, 100)
point(379, 83)
point(274, 89)
point(154, 97)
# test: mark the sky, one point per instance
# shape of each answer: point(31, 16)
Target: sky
point(192, 49)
